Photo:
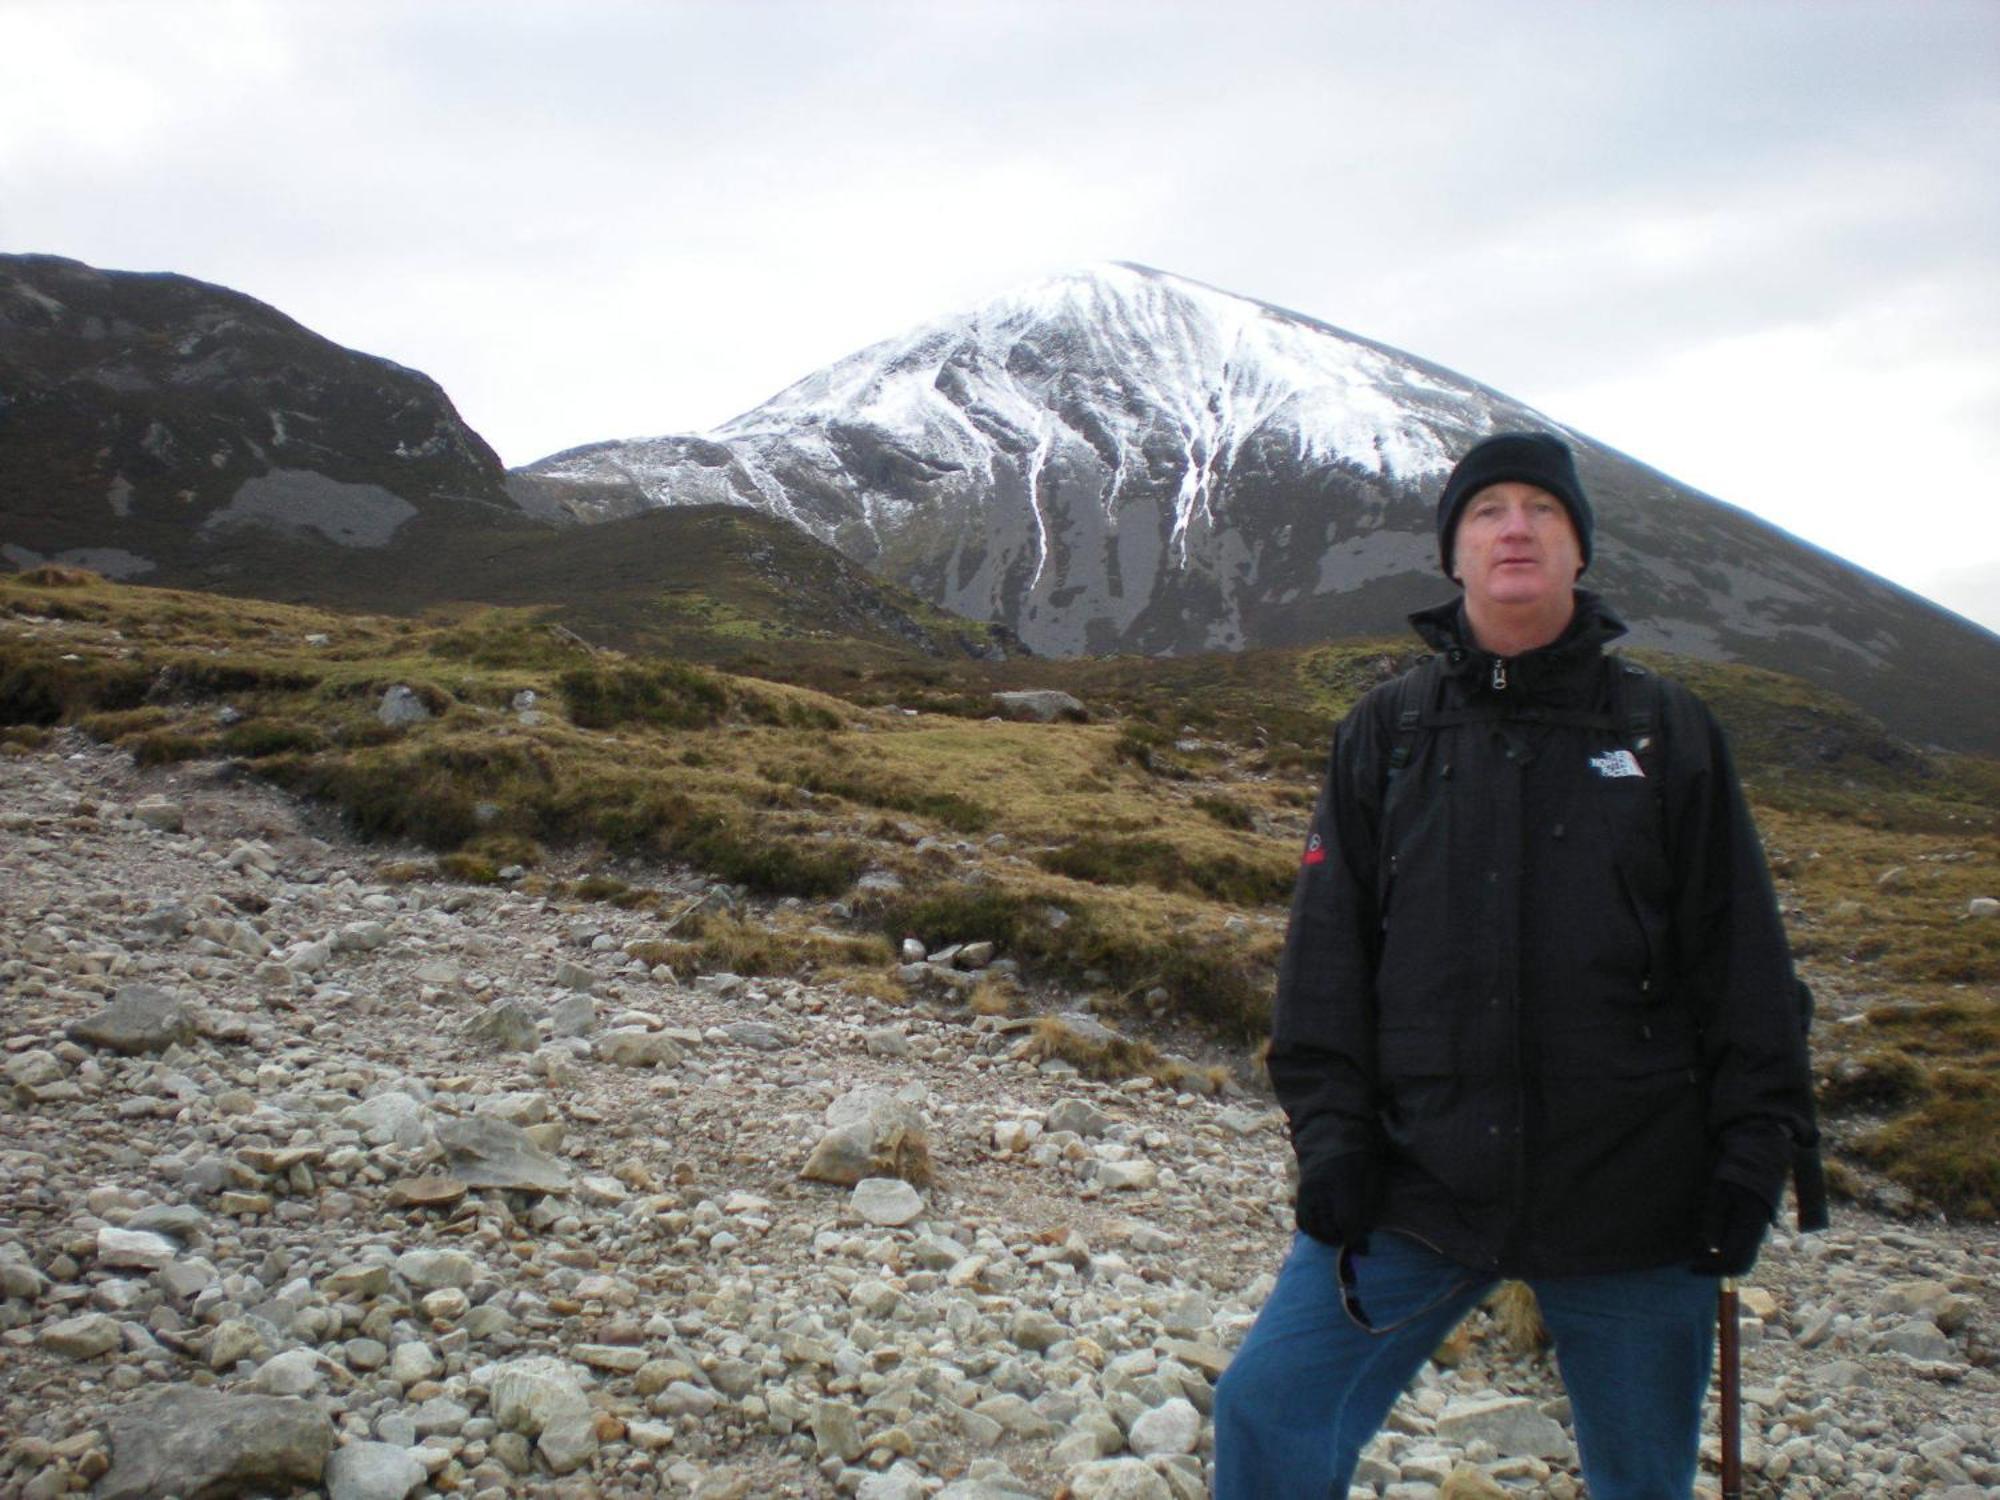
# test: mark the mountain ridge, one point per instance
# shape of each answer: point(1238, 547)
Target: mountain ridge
point(1110, 460)
point(157, 426)
point(1120, 459)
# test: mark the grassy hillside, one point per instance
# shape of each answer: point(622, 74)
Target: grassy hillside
point(1143, 855)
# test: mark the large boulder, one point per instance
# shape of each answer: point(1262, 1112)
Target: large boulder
point(489, 1153)
point(200, 1445)
point(140, 1018)
point(871, 1133)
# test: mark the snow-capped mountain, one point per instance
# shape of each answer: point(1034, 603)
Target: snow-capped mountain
point(1095, 459)
point(1121, 459)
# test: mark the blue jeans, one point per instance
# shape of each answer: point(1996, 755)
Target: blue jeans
point(1311, 1385)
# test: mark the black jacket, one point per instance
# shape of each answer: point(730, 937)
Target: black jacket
point(1539, 971)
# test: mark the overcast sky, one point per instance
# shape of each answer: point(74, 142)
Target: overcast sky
point(1752, 244)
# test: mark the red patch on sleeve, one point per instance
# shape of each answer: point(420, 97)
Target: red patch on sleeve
point(1315, 851)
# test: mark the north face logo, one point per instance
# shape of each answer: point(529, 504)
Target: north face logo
point(1616, 763)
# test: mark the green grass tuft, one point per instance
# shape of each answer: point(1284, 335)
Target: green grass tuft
point(662, 694)
point(1943, 1149)
point(1167, 867)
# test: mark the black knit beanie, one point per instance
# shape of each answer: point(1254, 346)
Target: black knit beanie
point(1526, 457)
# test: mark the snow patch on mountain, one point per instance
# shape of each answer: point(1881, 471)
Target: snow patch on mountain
point(1114, 363)
point(1117, 459)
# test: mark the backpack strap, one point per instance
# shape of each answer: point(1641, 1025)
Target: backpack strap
point(1635, 710)
point(1569, 718)
point(1413, 696)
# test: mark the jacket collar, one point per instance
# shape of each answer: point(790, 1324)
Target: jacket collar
point(1565, 663)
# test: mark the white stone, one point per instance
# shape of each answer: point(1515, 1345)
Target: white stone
point(1171, 1427)
point(446, 1305)
point(134, 1249)
point(527, 1394)
point(1135, 1175)
point(400, 706)
point(636, 1047)
point(308, 958)
point(1919, 1338)
point(887, 1041)
point(390, 1119)
point(429, 1270)
point(83, 1337)
point(372, 1471)
point(411, 1362)
point(1119, 1479)
point(1079, 1116)
point(888, 1201)
point(1512, 1424)
point(902, 1482)
point(295, 1372)
point(568, 1442)
point(649, 1437)
point(361, 937)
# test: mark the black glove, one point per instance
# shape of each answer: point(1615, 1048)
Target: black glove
point(1339, 1197)
point(1733, 1223)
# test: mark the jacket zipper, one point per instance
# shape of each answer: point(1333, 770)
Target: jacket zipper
point(1499, 674)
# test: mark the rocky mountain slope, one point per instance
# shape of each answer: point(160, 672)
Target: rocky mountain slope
point(1119, 459)
point(318, 1180)
point(163, 430)
point(157, 427)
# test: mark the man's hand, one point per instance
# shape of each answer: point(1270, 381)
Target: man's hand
point(1339, 1197)
point(1733, 1224)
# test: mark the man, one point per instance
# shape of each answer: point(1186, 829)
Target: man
point(1536, 1018)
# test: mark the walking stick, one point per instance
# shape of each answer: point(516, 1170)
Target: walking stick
point(1730, 1419)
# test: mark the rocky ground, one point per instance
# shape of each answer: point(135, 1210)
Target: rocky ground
point(311, 1182)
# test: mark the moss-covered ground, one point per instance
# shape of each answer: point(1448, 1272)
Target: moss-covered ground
point(1143, 854)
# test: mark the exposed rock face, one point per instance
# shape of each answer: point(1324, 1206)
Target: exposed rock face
point(202, 1445)
point(158, 428)
point(1120, 460)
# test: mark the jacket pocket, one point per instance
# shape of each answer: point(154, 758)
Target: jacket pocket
point(1649, 921)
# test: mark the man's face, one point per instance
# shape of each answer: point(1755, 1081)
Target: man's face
point(1515, 545)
